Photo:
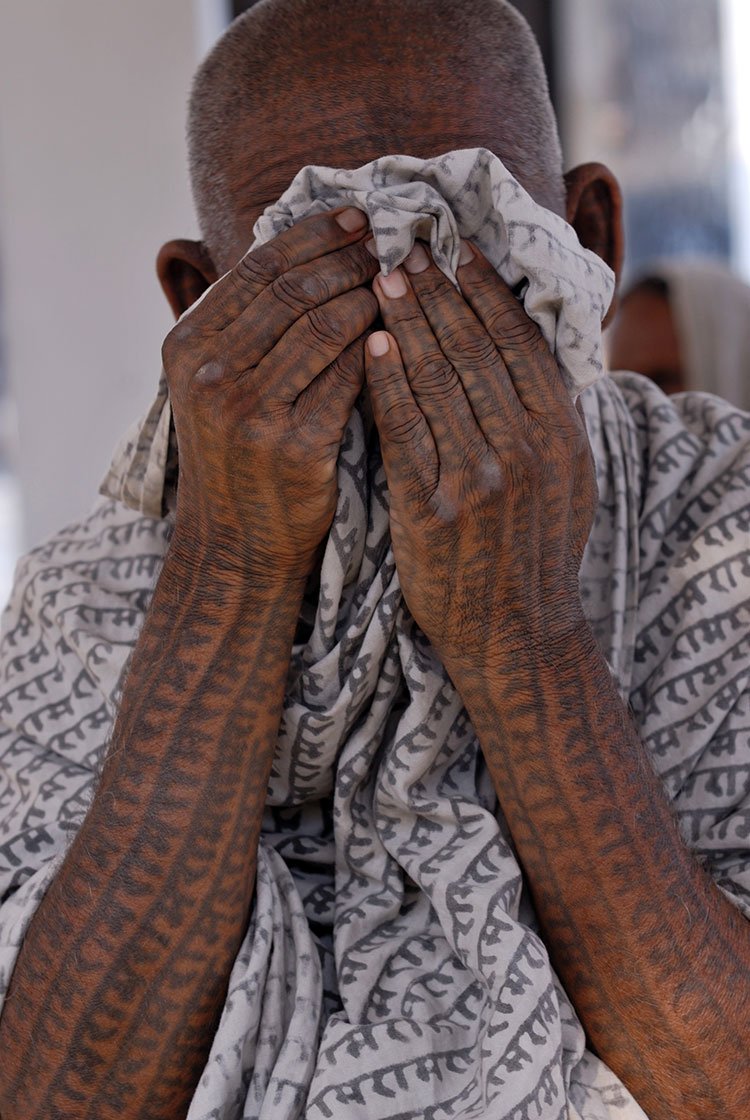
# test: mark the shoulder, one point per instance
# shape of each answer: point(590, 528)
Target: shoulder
point(684, 462)
point(667, 433)
point(76, 607)
point(74, 614)
point(678, 576)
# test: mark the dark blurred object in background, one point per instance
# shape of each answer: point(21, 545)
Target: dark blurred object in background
point(686, 325)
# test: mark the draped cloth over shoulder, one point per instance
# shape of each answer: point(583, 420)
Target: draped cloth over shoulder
point(393, 966)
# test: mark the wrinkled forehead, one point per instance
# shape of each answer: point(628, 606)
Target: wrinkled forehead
point(268, 152)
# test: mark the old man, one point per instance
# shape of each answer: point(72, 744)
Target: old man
point(550, 918)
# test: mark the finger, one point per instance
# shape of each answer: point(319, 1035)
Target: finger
point(312, 344)
point(329, 400)
point(290, 296)
point(532, 367)
point(468, 347)
point(408, 448)
point(308, 240)
point(433, 380)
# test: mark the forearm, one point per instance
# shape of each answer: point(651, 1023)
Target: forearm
point(119, 985)
point(655, 959)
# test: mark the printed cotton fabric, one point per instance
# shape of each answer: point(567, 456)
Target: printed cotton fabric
point(393, 966)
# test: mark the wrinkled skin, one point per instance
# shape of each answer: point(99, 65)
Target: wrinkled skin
point(490, 472)
point(263, 375)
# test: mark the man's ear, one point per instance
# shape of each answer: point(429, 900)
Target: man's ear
point(185, 270)
point(594, 209)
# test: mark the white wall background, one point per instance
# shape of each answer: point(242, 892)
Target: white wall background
point(92, 180)
point(737, 36)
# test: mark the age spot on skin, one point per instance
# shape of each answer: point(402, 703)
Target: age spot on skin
point(210, 373)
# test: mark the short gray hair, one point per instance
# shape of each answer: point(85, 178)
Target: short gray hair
point(478, 50)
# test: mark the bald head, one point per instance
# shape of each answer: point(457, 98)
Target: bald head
point(339, 82)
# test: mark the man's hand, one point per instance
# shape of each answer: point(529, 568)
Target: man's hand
point(489, 467)
point(121, 980)
point(263, 374)
point(492, 497)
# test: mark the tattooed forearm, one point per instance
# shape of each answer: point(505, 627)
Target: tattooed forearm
point(117, 991)
point(492, 497)
point(118, 988)
point(656, 960)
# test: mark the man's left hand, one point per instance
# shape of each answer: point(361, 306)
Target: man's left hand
point(492, 498)
point(489, 468)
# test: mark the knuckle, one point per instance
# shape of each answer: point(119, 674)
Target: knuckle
point(434, 373)
point(487, 474)
point(401, 313)
point(317, 230)
point(349, 365)
point(168, 352)
point(432, 285)
point(182, 332)
point(401, 422)
point(261, 267)
point(484, 286)
point(475, 347)
point(326, 329)
point(444, 511)
point(364, 305)
point(301, 289)
point(182, 339)
point(516, 331)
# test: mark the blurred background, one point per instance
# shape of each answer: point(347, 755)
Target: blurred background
point(93, 179)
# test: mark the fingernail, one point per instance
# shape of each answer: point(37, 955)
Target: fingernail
point(466, 255)
point(417, 261)
point(394, 285)
point(352, 219)
point(378, 344)
point(372, 248)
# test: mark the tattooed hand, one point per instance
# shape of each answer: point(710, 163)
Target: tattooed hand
point(263, 374)
point(492, 497)
point(489, 468)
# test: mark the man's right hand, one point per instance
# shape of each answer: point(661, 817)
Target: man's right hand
point(263, 374)
point(118, 988)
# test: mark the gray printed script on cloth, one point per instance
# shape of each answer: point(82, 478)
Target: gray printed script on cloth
point(393, 967)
